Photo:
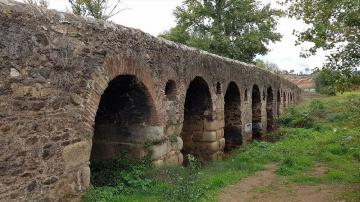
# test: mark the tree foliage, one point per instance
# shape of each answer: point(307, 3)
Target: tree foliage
point(329, 81)
point(334, 25)
point(99, 9)
point(238, 29)
point(272, 67)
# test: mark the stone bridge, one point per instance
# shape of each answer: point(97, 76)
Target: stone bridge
point(75, 90)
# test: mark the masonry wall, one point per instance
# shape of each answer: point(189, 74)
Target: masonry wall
point(54, 68)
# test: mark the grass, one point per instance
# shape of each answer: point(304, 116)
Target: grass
point(325, 131)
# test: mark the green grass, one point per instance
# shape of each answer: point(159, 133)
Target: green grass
point(325, 131)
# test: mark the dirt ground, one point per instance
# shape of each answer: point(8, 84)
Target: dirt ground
point(264, 186)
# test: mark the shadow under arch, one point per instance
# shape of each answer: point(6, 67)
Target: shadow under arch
point(256, 113)
point(197, 109)
point(269, 109)
point(232, 112)
point(126, 117)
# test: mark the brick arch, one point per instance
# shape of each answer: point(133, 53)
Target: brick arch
point(113, 67)
point(211, 84)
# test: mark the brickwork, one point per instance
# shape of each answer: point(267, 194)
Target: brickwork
point(74, 90)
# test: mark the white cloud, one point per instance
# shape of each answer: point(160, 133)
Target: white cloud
point(156, 16)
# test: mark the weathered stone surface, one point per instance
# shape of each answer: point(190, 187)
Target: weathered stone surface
point(158, 151)
point(54, 69)
point(77, 154)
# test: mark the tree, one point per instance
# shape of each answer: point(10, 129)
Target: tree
point(238, 29)
point(272, 67)
point(334, 25)
point(41, 3)
point(307, 70)
point(329, 81)
point(98, 9)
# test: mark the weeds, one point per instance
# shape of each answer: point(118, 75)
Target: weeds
point(325, 131)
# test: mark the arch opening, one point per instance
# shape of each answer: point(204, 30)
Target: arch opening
point(126, 117)
point(269, 109)
point(170, 89)
point(232, 112)
point(218, 88)
point(197, 109)
point(278, 103)
point(256, 113)
point(284, 100)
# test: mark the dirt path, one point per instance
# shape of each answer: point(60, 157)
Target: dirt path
point(264, 187)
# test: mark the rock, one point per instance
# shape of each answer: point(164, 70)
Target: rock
point(14, 73)
point(85, 177)
point(50, 180)
point(159, 151)
point(31, 186)
point(77, 154)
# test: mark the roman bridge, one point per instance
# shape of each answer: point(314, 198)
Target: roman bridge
point(74, 90)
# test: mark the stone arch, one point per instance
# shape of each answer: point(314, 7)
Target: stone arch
point(232, 112)
point(197, 109)
point(270, 109)
point(278, 103)
point(113, 67)
point(256, 112)
point(125, 119)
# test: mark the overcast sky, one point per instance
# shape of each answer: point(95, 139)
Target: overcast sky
point(156, 16)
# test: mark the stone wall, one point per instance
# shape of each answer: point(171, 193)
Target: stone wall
point(57, 112)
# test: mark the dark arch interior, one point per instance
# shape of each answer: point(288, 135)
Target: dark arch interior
point(170, 90)
point(256, 113)
point(124, 114)
point(284, 98)
point(218, 88)
point(278, 102)
point(269, 109)
point(232, 111)
point(197, 108)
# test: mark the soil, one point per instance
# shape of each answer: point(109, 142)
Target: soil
point(264, 186)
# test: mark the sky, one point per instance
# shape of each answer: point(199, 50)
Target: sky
point(156, 16)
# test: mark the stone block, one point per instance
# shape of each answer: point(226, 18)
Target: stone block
point(173, 159)
point(158, 163)
point(213, 125)
point(220, 133)
point(206, 136)
point(208, 147)
point(158, 151)
point(85, 177)
point(222, 144)
point(77, 154)
point(179, 144)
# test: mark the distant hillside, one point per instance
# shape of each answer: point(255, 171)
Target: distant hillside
point(303, 81)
